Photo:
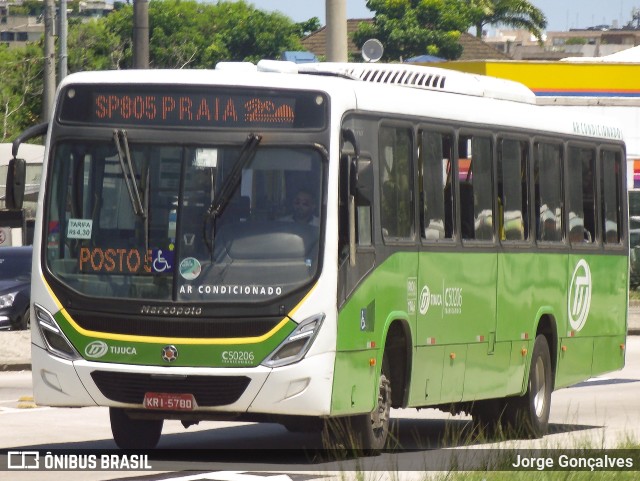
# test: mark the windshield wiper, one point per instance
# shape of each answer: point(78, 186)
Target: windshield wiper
point(124, 155)
point(223, 196)
point(221, 199)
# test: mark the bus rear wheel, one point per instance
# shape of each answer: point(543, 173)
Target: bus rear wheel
point(129, 433)
point(529, 414)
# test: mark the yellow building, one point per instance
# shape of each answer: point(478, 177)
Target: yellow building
point(564, 79)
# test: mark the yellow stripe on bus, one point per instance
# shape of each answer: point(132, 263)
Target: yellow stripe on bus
point(167, 340)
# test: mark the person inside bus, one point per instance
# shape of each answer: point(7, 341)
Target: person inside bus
point(303, 209)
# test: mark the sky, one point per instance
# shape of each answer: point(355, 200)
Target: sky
point(561, 14)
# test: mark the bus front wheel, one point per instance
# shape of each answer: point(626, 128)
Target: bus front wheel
point(374, 427)
point(129, 433)
point(364, 432)
point(529, 414)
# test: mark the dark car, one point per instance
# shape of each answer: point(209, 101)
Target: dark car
point(15, 287)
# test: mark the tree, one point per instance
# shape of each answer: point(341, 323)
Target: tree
point(96, 45)
point(249, 34)
point(414, 27)
point(20, 90)
point(311, 25)
point(519, 14)
point(185, 34)
point(32, 8)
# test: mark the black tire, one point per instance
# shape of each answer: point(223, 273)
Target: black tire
point(368, 433)
point(131, 433)
point(529, 415)
point(25, 322)
point(487, 417)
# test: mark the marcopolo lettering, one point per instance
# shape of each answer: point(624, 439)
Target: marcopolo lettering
point(171, 310)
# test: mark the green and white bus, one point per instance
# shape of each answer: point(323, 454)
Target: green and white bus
point(465, 250)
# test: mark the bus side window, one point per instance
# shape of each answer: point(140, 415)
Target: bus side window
point(437, 205)
point(582, 212)
point(611, 188)
point(548, 192)
point(395, 151)
point(513, 160)
point(476, 187)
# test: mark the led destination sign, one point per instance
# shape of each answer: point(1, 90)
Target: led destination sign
point(172, 106)
point(192, 109)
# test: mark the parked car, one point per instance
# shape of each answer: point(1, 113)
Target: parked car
point(15, 287)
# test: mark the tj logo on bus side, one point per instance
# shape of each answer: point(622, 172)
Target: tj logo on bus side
point(579, 295)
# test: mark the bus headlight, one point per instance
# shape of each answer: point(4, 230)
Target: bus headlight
point(57, 343)
point(294, 347)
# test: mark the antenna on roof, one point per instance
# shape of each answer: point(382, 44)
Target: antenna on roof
point(372, 50)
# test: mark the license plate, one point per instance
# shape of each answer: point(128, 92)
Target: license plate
point(169, 401)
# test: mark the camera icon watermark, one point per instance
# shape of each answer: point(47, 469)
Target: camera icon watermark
point(23, 460)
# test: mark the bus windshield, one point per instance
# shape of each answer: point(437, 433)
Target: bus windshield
point(132, 220)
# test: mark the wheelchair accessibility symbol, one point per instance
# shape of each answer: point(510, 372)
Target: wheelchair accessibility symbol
point(162, 261)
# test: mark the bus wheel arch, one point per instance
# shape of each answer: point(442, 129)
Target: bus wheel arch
point(367, 432)
point(372, 432)
point(398, 354)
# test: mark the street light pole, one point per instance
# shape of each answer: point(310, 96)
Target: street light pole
point(62, 36)
point(49, 81)
point(336, 13)
point(140, 33)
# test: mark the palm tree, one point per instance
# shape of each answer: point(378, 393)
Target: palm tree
point(519, 14)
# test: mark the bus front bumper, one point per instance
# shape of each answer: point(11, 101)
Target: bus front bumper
point(303, 388)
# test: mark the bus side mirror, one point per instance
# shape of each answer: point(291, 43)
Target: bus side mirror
point(16, 177)
point(361, 177)
point(17, 172)
point(360, 171)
